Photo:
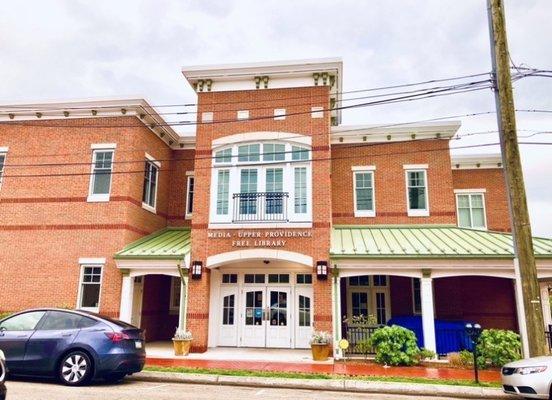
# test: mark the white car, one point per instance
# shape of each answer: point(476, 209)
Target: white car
point(530, 378)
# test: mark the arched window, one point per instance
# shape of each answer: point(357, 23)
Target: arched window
point(261, 182)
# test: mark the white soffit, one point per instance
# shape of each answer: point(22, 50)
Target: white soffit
point(483, 161)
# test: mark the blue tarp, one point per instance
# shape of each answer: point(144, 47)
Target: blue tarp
point(450, 336)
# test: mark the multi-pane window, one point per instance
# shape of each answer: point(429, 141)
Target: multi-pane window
point(278, 278)
point(254, 278)
point(471, 210)
point(229, 278)
point(299, 153)
point(223, 156)
point(300, 199)
point(249, 152)
point(190, 196)
point(274, 152)
point(274, 189)
point(363, 280)
point(176, 288)
point(228, 309)
point(90, 287)
point(416, 296)
point(149, 194)
point(417, 192)
point(359, 303)
point(248, 186)
point(223, 180)
point(2, 162)
point(364, 193)
point(304, 279)
point(100, 182)
point(304, 311)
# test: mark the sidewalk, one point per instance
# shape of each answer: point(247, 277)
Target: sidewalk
point(349, 368)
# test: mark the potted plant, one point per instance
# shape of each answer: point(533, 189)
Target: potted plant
point(320, 345)
point(182, 341)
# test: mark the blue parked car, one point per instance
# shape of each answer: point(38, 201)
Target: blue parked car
point(74, 346)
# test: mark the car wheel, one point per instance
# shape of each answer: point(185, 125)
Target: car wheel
point(75, 368)
point(115, 377)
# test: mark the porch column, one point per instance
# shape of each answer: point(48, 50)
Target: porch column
point(520, 308)
point(336, 307)
point(183, 307)
point(545, 303)
point(428, 317)
point(127, 294)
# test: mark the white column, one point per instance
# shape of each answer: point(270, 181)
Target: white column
point(336, 311)
point(545, 303)
point(520, 308)
point(183, 307)
point(428, 317)
point(127, 294)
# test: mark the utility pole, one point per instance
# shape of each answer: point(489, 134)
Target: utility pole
point(533, 339)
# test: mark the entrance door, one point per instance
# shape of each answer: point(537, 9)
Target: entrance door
point(278, 330)
point(254, 329)
point(304, 315)
point(229, 319)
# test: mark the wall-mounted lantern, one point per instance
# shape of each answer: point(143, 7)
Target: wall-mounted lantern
point(197, 267)
point(322, 270)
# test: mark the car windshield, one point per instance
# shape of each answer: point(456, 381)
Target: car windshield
point(117, 322)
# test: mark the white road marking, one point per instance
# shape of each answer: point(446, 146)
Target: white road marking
point(260, 392)
point(157, 386)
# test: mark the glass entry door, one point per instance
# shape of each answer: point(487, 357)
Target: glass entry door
point(266, 318)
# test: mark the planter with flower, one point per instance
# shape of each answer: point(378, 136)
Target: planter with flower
point(320, 345)
point(182, 342)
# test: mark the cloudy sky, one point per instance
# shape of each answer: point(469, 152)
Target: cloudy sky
point(80, 49)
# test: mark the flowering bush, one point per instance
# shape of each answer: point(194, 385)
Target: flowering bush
point(182, 334)
point(321, 337)
point(395, 345)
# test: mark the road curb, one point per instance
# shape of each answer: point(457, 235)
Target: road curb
point(337, 385)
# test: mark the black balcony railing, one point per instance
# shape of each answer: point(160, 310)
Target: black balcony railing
point(260, 207)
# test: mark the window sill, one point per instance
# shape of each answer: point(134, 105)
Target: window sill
point(149, 208)
point(365, 214)
point(418, 213)
point(98, 198)
point(188, 216)
point(260, 225)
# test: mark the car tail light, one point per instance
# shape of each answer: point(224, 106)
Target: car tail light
point(117, 337)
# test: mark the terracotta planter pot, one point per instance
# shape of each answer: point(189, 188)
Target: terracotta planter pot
point(320, 352)
point(181, 347)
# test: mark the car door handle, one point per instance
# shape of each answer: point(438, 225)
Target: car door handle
point(66, 334)
point(21, 336)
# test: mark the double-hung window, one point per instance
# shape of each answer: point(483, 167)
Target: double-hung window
point(190, 187)
point(471, 210)
point(100, 177)
point(149, 194)
point(363, 191)
point(416, 192)
point(3, 152)
point(223, 191)
point(89, 288)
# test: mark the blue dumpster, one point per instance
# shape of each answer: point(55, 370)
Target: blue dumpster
point(450, 336)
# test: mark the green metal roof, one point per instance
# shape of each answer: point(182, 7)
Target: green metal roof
point(166, 244)
point(426, 241)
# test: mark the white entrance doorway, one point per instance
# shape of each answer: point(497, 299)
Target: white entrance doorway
point(271, 310)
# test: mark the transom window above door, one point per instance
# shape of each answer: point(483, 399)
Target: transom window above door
point(265, 182)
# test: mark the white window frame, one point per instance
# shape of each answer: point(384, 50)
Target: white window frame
point(363, 170)
point(157, 164)
point(414, 311)
point(3, 152)
point(471, 192)
point(98, 148)
point(190, 176)
point(90, 263)
point(235, 167)
point(417, 168)
point(174, 295)
point(279, 114)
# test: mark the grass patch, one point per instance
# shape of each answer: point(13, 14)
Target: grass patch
point(303, 375)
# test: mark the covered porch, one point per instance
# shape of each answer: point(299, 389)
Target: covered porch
point(430, 279)
point(155, 282)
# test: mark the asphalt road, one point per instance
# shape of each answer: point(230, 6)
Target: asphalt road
point(132, 390)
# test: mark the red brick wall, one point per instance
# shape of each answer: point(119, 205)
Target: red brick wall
point(261, 104)
point(182, 162)
point(46, 224)
point(390, 184)
point(496, 198)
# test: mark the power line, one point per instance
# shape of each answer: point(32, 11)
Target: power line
point(331, 158)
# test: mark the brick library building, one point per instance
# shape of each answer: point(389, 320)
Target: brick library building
point(271, 221)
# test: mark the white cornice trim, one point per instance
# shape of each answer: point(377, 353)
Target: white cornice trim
point(484, 161)
point(263, 136)
point(363, 168)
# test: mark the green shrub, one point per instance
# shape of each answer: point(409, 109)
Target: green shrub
point(426, 354)
point(497, 347)
point(466, 358)
point(395, 345)
point(364, 347)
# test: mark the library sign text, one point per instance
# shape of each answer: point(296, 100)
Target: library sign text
point(258, 238)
